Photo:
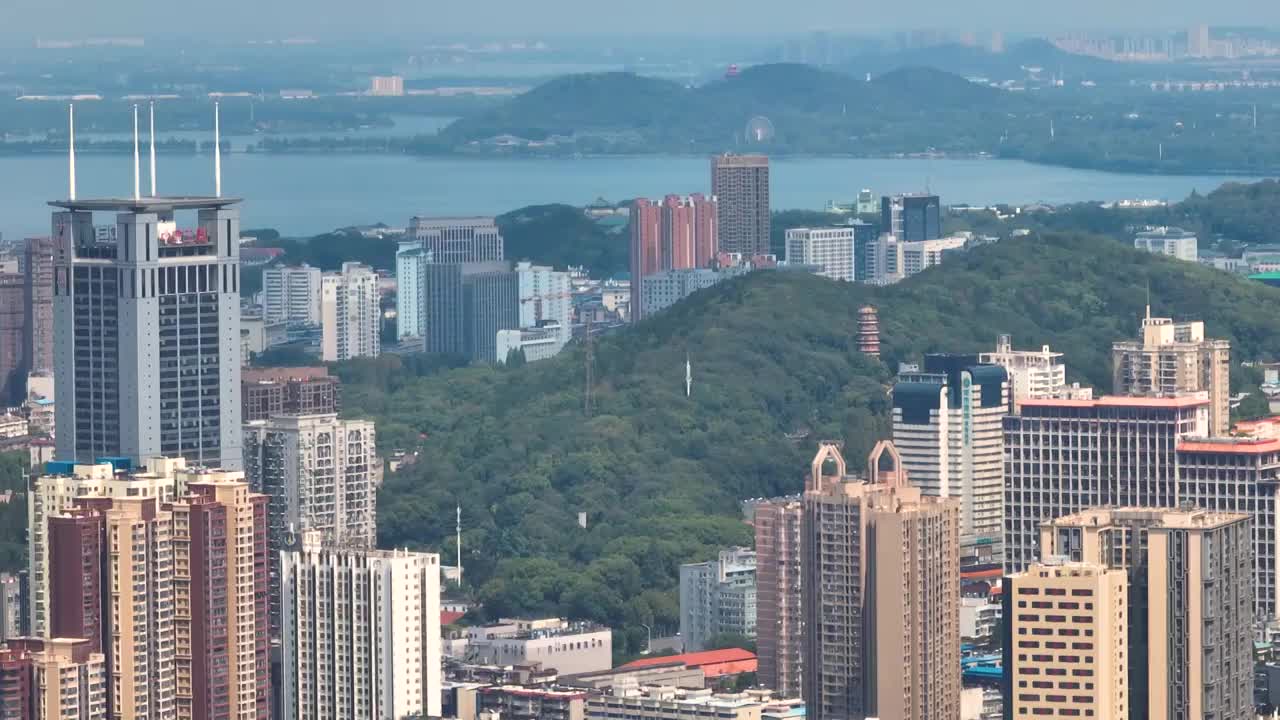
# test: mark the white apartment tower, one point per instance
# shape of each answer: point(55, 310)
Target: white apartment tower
point(291, 294)
point(1172, 359)
point(410, 290)
point(832, 249)
point(545, 298)
point(319, 474)
point(361, 633)
point(947, 427)
point(1033, 374)
point(350, 314)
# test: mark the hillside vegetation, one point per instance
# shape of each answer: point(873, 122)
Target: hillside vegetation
point(659, 476)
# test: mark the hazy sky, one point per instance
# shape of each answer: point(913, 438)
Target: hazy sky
point(64, 18)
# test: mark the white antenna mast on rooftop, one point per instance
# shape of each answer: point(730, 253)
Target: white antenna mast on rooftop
point(137, 186)
point(71, 150)
point(153, 148)
point(217, 153)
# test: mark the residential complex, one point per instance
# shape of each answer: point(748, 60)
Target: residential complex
point(679, 233)
point(291, 294)
point(911, 217)
point(1170, 241)
point(947, 426)
point(546, 299)
point(383, 608)
point(1172, 359)
point(881, 589)
point(718, 597)
point(319, 474)
point(740, 183)
point(265, 392)
point(350, 313)
point(1033, 375)
point(831, 249)
point(1189, 613)
point(667, 703)
point(147, 331)
point(779, 609)
point(410, 289)
point(57, 678)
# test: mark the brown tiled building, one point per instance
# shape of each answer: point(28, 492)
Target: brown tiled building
point(741, 185)
point(881, 590)
point(38, 278)
point(287, 391)
point(779, 610)
point(13, 381)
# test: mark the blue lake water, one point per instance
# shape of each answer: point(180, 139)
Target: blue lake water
point(309, 194)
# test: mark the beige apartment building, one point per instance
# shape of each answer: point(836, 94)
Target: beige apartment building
point(1171, 359)
point(1068, 641)
point(881, 592)
point(779, 608)
point(63, 485)
point(70, 681)
point(1190, 617)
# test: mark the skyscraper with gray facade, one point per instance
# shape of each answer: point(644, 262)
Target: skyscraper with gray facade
point(147, 330)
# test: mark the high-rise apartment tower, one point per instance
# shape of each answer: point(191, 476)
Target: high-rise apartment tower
point(740, 184)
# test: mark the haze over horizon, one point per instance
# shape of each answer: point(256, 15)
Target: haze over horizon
point(344, 18)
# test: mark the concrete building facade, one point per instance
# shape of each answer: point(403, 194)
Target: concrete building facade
point(291, 294)
point(13, 337)
point(1172, 359)
point(881, 589)
point(382, 608)
point(911, 217)
point(266, 392)
point(832, 249)
point(350, 313)
point(546, 298)
point(947, 424)
point(678, 233)
point(569, 648)
point(1033, 375)
point(718, 597)
point(37, 272)
point(56, 678)
point(779, 606)
point(147, 341)
point(454, 240)
point(740, 184)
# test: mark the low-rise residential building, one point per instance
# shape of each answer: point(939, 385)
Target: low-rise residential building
point(718, 597)
point(568, 647)
point(666, 703)
point(1171, 241)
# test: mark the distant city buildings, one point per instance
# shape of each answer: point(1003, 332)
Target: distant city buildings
point(291, 294)
point(718, 597)
point(947, 427)
point(453, 240)
point(386, 86)
point(1172, 359)
point(546, 302)
point(740, 183)
point(385, 607)
point(779, 609)
point(37, 272)
point(881, 588)
point(1171, 241)
point(13, 331)
point(831, 249)
point(676, 234)
point(350, 313)
point(911, 217)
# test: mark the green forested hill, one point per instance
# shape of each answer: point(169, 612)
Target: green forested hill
point(659, 475)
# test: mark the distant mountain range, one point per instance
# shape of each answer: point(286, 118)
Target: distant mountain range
point(1016, 63)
